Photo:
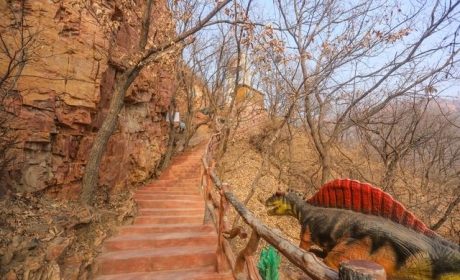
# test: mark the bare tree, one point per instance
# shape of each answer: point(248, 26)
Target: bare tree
point(352, 59)
point(197, 110)
point(220, 59)
point(413, 150)
point(187, 101)
point(210, 58)
point(435, 165)
point(396, 131)
point(154, 44)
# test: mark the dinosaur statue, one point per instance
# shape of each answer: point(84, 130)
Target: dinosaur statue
point(351, 220)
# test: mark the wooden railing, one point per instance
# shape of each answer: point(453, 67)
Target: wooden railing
point(219, 196)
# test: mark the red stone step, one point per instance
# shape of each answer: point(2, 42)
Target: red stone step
point(188, 164)
point(166, 196)
point(194, 190)
point(171, 228)
point(190, 168)
point(170, 203)
point(159, 240)
point(145, 260)
point(174, 181)
point(192, 171)
point(186, 158)
point(206, 273)
point(184, 167)
point(185, 162)
point(173, 184)
point(170, 190)
point(175, 175)
point(192, 219)
point(171, 212)
point(168, 239)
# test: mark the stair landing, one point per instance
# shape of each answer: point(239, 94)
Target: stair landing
point(168, 239)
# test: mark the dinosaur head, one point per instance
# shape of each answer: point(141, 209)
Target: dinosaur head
point(283, 203)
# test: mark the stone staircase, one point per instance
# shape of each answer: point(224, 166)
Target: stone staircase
point(167, 239)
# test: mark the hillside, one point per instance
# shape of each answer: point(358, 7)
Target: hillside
point(69, 235)
point(98, 96)
point(241, 164)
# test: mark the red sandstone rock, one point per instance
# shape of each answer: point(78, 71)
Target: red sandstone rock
point(63, 96)
point(56, 248)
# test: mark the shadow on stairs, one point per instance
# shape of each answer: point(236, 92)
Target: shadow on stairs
point(167, 239)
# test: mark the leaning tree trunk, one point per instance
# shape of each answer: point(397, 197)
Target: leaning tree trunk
point(90, 177)
point(172, 135)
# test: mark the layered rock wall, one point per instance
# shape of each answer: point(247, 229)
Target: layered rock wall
point(61, 98)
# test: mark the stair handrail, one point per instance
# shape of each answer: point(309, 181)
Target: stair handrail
point(304, 260)
point(217, 210)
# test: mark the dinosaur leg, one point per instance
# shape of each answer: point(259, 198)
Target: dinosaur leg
point(305, 243)
point(318, 252)
point(305, 238)
point(351, 248)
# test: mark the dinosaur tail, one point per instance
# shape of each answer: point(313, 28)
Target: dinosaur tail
point(448, 261)
point(442, 263)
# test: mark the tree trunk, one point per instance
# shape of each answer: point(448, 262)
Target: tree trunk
point(446, 214)
point(169, 151)
point(91, 175)
point(172, 135)
point(326, 173)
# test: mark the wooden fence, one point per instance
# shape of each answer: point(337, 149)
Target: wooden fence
point(219, 196)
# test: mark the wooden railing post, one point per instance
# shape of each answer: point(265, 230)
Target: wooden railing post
point(247, 256)
point(222, 264)
point(209, 214)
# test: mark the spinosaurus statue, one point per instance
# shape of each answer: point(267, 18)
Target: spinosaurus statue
point(351, 220)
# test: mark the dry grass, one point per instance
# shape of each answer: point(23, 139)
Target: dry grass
point(241, 163)
point(44, 238)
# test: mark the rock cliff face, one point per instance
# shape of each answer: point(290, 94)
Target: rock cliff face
point(61, 99)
